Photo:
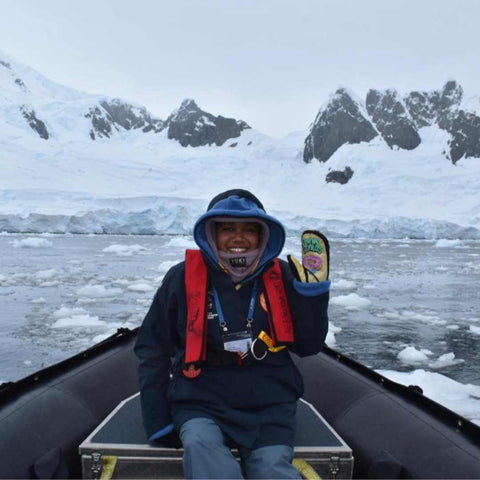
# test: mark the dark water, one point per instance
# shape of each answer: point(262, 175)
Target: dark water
point(419, 295)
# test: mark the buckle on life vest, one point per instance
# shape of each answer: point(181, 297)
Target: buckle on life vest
point(191, 371)
point(269, 342)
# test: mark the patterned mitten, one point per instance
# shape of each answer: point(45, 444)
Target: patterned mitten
point(315, 258)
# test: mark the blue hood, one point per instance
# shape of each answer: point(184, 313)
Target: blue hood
point(240, 204)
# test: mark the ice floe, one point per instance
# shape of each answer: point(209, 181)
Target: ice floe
point(352, 301)
point(462, 398)
point(445, 360)
point(166, 265)
point(124, 250)
point(82, 321)
point(332, 330)
point(413, 356)
point(445, 243)
point(342, 284)
point(39, 300)
point(98, 291)
point(140, 287)
point(32, 242)
point(182, 242)
point(410, 355)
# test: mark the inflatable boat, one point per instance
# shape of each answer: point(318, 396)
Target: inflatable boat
point(392, 430)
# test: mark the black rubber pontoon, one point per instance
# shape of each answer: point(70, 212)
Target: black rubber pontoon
point(394, 431)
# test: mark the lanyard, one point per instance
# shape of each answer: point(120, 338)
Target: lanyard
point(251, 308)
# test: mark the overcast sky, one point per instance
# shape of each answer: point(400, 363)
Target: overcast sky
point(272, 63)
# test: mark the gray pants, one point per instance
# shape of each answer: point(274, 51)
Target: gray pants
point(207, 456)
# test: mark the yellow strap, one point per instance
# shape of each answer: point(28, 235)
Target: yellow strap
point(265, 338)
point(306, 470)
point(109, 463)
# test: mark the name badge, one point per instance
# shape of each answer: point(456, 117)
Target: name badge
point(237, 342)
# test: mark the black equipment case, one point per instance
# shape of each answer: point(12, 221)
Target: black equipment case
point(118, 447)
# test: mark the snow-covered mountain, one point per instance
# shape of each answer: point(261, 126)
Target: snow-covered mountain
point(398, 121)
point(390, 166)
point(53, 112)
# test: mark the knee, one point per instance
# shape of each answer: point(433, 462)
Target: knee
point(271, 462)
point(200, 433)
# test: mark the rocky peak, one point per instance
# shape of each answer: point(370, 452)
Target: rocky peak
point(341, 121)
point(421, 108)
point(5, 64)
point(34, 122)
point(392, 120)
point(112, 115)
point(443, 108)
point(450, 96)
point(191, 126)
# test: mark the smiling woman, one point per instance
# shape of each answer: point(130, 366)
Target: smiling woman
point(239, 237)
point(230, 313)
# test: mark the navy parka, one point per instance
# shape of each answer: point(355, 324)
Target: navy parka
point(255, 404)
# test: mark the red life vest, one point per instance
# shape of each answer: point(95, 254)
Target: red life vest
point(279, 317)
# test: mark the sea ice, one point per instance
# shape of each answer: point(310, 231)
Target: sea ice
point(140, 287)
point(474, 329)
point(411, 355)
point(461, 398)
point(75, 321)
point(166, 265)
point(123, 250)
point(98, 291)
point(342, 284)
point(330, 339)
point(445, 243)
point(63, 312)
point(182, 242)
point(445, 360)
point(38, 300)
point(46, 274)
point(352, 301)
point(33, 242)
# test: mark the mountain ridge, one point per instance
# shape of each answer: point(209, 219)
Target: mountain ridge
point(372, 188)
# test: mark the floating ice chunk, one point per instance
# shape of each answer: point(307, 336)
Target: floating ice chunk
point(330, 340)
point(461, 398)
point(453, 327)
point(38, 300)
point(445, 360)
point(140, 287)
point(412, 356)
point(124, 250)
point(167, 265)
point(33, 242)
point(474, 329)
point(343, 284)
point(333, 328)
point(183, 242)
point(352, 301)
point(444, 243)
point(68, 312)
point(427, 317)
point(53, 283)
point(46, 274)
point(28, 363)
point(76, 321)
point(98, 291)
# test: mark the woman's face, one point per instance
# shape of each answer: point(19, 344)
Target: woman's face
point(237, 237)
